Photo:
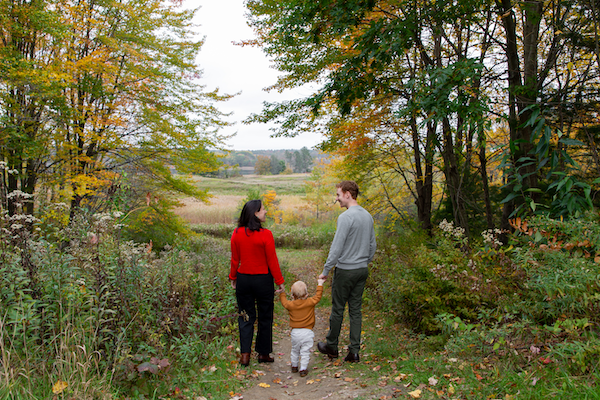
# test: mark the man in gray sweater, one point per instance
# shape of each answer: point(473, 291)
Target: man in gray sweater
point(351, 252)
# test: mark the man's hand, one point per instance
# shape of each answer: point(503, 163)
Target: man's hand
point(324, 277)
point(281, 289)
point(233, 283)
point(320, 282)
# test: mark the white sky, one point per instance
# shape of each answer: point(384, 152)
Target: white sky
point(235, 69)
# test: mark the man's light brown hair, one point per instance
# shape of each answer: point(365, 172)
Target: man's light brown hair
point(299, 290)
point(349, 186)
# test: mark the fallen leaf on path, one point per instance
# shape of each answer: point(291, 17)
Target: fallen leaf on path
point(433, 381)
point(264, 385)
point(377, 368)
point(382, 383)
point(276, 380)
point(310, 382)
point(400, 377)
point(348, 379)
point(415, 394)
point(337, 374)
point(281, 354)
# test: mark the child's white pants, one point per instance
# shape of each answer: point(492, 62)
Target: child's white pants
point(302, 342)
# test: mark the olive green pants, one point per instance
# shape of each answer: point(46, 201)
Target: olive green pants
point(347, 286)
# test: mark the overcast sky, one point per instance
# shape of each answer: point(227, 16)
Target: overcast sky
point(235, 69)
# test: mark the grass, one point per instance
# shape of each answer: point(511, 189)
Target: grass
point(224, 208)
point(221, 209)
point(292, 184)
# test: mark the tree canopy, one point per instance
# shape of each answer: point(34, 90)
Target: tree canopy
point(407, 89)
point(89, 88)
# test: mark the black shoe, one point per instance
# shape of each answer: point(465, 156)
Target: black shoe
point(352, 357)
point(325, 349)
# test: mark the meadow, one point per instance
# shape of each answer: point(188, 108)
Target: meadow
point(228, 195)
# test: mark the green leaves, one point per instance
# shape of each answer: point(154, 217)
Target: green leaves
point(562, 193)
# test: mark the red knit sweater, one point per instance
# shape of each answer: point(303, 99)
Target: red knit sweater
point(253, 253)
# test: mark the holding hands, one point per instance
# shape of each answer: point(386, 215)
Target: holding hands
point(281, 289)
point(320, 281)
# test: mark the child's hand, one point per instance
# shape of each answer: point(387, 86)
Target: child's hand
point(320, 282)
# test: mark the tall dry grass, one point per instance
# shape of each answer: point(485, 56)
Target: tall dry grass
point(225, 208)
point(221, 209)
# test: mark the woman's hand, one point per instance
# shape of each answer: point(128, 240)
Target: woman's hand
point(233, 283)
point(281, 289)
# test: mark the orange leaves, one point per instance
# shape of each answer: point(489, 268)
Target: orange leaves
point(552, 240)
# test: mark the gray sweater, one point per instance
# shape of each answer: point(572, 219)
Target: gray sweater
point(354, 244)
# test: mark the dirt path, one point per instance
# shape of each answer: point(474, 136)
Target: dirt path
point(325, 379)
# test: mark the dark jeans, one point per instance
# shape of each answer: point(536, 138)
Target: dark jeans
point(347, 286)
point(254, 295)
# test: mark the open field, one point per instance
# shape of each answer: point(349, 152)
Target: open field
point(225, 208)
point(283, 184)
point(229, 194)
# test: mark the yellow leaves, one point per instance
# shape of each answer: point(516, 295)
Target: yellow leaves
point(59, 386)
point(264, 385)
point(271, 203)
point(451, 390)
point(415, 394)
point(400, 377)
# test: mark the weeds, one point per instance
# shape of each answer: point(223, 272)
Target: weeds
point(75, 317)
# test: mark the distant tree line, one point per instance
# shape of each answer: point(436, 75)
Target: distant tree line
point(273, 162)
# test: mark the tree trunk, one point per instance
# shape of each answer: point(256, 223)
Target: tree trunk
point(453, 178)
point(424, 181)
point(522, 89)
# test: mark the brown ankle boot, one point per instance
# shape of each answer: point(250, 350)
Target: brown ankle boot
point(245, 359)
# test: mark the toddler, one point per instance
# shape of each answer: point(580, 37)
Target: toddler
point(302, 320)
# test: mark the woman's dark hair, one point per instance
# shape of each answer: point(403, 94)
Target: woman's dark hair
point(248, 218)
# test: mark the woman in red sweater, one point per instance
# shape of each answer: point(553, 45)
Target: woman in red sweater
point(254, 267)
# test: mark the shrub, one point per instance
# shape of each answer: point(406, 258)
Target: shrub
point(74, 310)
point(286, 236)
point(415, 282)
point(561, 260)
